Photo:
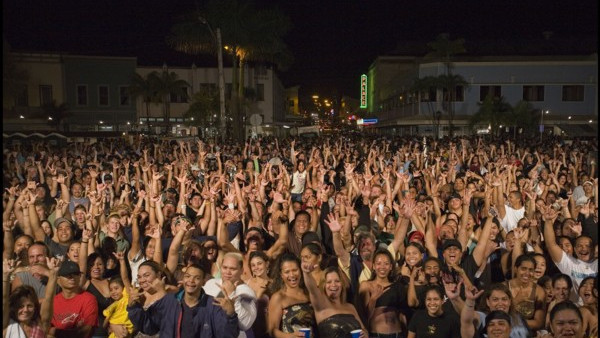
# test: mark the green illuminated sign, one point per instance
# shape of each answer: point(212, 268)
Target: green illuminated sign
point(363, 91)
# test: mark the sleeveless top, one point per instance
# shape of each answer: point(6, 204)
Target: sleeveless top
point(103, 303)
point(338, 326)
point(526, 307)
point(393, 296)
point(298, 316)
point(14, 330)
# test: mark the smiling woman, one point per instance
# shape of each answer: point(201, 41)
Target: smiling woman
point(289, 307)
point(433, 321)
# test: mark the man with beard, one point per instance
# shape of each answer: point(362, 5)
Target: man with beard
point(358, 267)
point(254, 239)
point(188, 313)
point(35, 274)
point(579, 267)
point(245, 298)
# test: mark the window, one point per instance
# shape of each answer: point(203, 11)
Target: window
point(494, 91)
point(459, 94)
point(181, 97)
point(23, 97)
point(45, 95)
point(572, 93)
point(428, 96)
point(209, 88)
point(533, 93)
point(260, 92)
point(103, 95)
point(82, 98)
point(124, 98)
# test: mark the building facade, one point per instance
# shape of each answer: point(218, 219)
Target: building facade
point(563, 87)
point(95, 90)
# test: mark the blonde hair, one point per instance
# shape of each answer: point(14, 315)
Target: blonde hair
point(237, 256)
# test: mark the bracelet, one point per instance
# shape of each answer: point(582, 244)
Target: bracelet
point(85, 241)
point(470, 305)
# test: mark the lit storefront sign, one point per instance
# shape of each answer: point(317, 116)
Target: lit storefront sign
point(363, 91)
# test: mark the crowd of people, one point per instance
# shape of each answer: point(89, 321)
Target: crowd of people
point(370, 235)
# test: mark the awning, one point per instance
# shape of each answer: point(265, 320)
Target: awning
point(579, 130)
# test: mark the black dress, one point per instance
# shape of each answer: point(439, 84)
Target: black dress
point(338, 326)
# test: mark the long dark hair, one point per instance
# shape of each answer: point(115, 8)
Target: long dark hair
point(278, 283)
point(392, 275)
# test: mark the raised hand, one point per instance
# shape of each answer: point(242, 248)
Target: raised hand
point(452, 289)
point(225, 302)
point(333, 223)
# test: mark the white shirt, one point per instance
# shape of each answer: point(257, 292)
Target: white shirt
point(245, 302)
point(298, 181)
point(577, 269)
point(512, 217)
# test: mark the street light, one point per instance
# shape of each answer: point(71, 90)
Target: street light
point(542, 124)
point(217, 38)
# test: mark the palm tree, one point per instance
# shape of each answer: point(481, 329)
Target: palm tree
point(144, 87)
point(56, 113)
point(493, 111)
point(522, 115)
point(203, 108)
point(249, 34)
point(165, 84)
point(443, 49)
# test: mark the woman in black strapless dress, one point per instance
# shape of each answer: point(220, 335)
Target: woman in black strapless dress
point(335, 317)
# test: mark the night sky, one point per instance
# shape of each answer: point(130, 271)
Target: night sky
point(333, 42)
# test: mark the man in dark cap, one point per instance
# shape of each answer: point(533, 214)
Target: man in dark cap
point(75, 311)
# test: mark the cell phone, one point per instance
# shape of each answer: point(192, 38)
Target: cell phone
point(492, 211)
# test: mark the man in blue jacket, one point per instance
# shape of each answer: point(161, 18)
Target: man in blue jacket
point(188, 313)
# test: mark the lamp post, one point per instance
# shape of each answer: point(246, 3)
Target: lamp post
point(542, 125)
point(217, 37)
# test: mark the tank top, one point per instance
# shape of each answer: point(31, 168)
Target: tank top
point(526, 307)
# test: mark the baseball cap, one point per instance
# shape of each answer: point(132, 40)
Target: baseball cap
point(60, 220)
point(450, 243)
point(587, 182)
point(68, 268)
point(416, 236)
point(195, 167)
point(169, 202)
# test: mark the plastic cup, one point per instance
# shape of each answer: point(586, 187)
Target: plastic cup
point(306, 332)
point(356, 333)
